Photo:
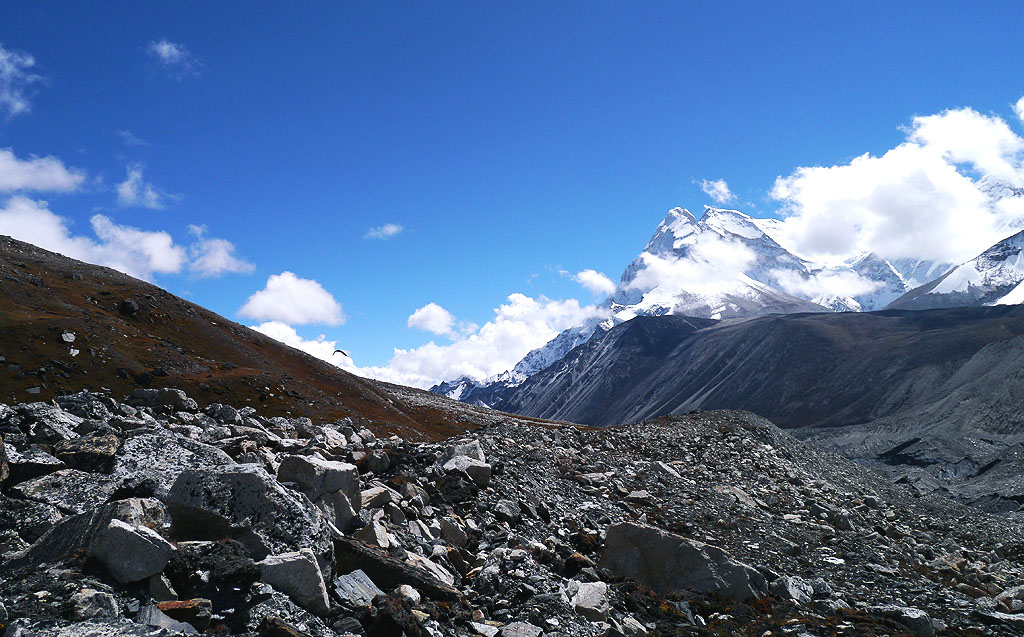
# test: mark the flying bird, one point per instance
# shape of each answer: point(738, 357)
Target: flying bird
point(341, 351)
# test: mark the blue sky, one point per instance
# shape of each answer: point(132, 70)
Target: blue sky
point(510, 141)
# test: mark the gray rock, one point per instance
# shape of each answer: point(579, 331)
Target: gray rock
point(223, 414)
point(338, 509)
point(662, 468)
point(453, 533)
point(915, 619)
point(378, 461)
point(591, 601)
point(520, 629)
point(4, 469)
point(298, 576)
point(470, 449)
point(48, 424)
point(665, 562)
point(408, 592)
point(91, 604)
point(507, 511)
point(247, 503)
point(176, 399)
point(160, 456)
point(70, 490)
point(27, 518)
point(477, 471)
point(152, 616)
point(131, 553)
point(29, 464)
point(373, 534)
point(357, 589)
point(377, 497)
point(78, 533)
point(317, 477)
point(161, 590)
point(794, 588)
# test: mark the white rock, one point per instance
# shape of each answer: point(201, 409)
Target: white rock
point(131, 554)
point(591, 601)
point(298, 576)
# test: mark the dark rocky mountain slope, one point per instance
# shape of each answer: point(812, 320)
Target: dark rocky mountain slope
point(943, 383)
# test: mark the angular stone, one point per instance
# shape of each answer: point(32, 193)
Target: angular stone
point(376, 497)
point(298, 576)
point(29, 464)
point(356, 589)
point(470, 449)
point(131, 553)
point(662, 468)
point(453, 533)
point(377, 461)
point(389, 572)
point(247, 503)
point(78, 533)
point(794, 588)
point(48, 424)
point(70, 490)
point(317, 477)
point(91, 604)
point(477, 471)
point(435, 569)
point(4, 469)
point(152, 616)
point(408, 592)
point(197, 612)
point(160, 456)
point(373, 534)
point(520, 629)
point(666, 562)
point(176, 399)
point(591, 601)
point(507, 511)
point(338, 509)
point(89, 453)
point(914, 619)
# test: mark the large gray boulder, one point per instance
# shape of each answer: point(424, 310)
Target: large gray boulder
point(70, 490)
point(159, 456)
point(317, 477)
point(131, 553)
point(297, 575)
point(245, 502)
point(666, 562)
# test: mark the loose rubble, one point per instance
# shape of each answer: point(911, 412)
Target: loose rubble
point(151, 517)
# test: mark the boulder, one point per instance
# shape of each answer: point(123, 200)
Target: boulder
point(131, 553)
point(298, 576)
point(317, 477)
point(89, 453)
point(90, 604)
point(29, 463)
point(155, 618)
point(356, 589)
point(176, 399)
point(591, 601)
point(197, 612)
point(390, 572)
point(665, 562)
point(338, 509)
point(159, 456)
point(70, 490)
point(794, 588)
point(477, 471)
point(247, 503)
point(470, 449)
point(78, 533)
point(373, 534)
point(520, 629)
point(27, 518)
point(507, 511)
point(915, 619)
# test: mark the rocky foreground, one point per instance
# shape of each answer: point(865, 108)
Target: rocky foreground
point(150, 517)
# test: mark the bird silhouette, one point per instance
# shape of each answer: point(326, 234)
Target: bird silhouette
point(341, 351)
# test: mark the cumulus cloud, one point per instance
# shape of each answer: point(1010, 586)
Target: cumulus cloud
point(825, 284)
point(522, 324)
point(175, 58)
point(212, 257)
point(16, 80)
point(433, 318)
point(36, 173)
point(136, 192)
point(595, 281)
point(293, 300)
point(129, 138)
point(718, 190)
point(708, 266)
point(140, 253)
point(920, 200)
point(386, 231)
point(318, 347)
point(1018, 108)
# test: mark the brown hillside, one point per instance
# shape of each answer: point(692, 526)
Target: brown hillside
point(170, 342)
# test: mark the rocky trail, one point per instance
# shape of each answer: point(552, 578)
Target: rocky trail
point(153, 517)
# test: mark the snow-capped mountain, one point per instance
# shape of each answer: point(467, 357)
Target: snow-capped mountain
point(726, 265)
point(994, 277)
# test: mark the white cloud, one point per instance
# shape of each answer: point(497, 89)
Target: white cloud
point(129, 138)
point(318, 347)
point(966, 136)
point(708, 266)
point(213, 257)
point(136, 192)
point(36, 173)
point(595, 281)
point(433, 318)
point(919, 200)
point(175, 58)
point(825, 284)
point(136, 252)
point(519, 326)
point(718, 190)
point(293, 300)
point(16, 78)
point(386, 231)
point(1018, 108)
